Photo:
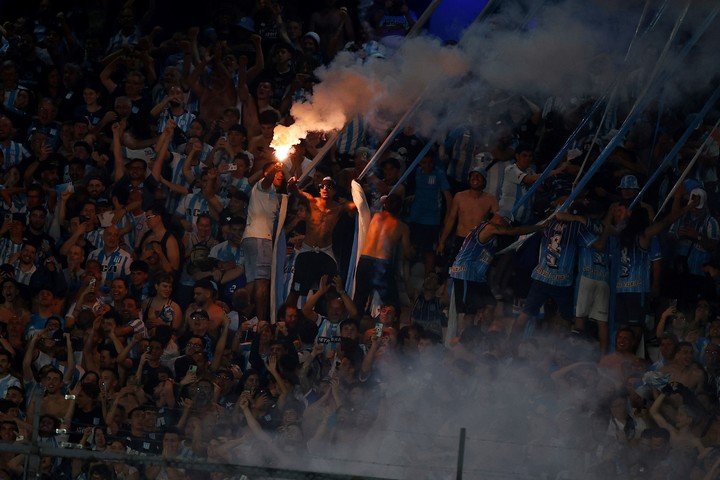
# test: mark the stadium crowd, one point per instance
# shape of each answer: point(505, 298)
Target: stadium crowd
point(140, 197)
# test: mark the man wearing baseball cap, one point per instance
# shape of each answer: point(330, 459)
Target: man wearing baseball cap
point(697, 233)
point(629, 188)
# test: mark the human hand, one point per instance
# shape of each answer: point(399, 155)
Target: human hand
point(687, 232)
point(338, 283)
point(323, 287)
point(316, 350)
point(190, 377)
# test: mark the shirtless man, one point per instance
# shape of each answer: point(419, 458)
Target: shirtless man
point(376, 267)
point(469, 209)
point(683, 369)
point(315, 257)
point(623, 362)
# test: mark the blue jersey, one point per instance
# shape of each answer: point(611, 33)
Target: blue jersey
point(352, 137)
point(558, 252)
point(13, 154)
point(461, 146)
point(594, 264)
point(696, 255)
point(328, 334)
point(194, 204)
point(115, 264)
point(227, 253)
point(426, 209)
point(633, 267)
point(473, 261)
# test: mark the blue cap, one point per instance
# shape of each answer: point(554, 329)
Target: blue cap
point(629, 181)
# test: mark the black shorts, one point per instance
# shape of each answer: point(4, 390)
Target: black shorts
point(541, 292)
point(472, 296)
point(424, 237)
point(308, 268)
point(630, 309)
point(375, 274)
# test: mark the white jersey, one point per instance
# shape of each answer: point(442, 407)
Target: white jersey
point(262, 209)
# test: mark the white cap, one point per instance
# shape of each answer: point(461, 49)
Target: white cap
point(703, 197)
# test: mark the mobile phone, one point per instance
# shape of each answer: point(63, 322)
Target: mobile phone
point(61, 431)
point(232, 167)
point(378, 329)
point(92, 282)
point(192, 369)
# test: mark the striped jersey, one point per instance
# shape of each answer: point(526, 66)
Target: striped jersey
point(633, 267)
point(328, 334)
point(592, 263)
point(115, 264)
point(176, 176)
point(14, 153)
point(182, 121)
point(461, 145)
point(474, 258)
point(227, 253)
point(8, 249)
point(194, 204)
point(429, 314)
point(558, 251)
point(707, 227)
point(352, 137)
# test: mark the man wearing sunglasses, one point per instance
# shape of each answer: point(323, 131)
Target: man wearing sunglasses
point(316, 257)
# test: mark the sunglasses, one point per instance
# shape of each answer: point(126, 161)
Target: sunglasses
point(326, 186)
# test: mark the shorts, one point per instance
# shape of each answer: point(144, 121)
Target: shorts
point(592, 299)
point(455, 247)
point(375, 274)
point(309, 267)
point(540, 292)
point(630, 309)
point(472, 296)
point(424, 237)
point(258, 258)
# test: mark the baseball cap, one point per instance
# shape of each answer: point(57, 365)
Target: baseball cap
point(629, 181)
point(703, 197)
point(478, 170)
point(314, 36)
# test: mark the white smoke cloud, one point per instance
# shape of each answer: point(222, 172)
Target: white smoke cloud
point(572, 48)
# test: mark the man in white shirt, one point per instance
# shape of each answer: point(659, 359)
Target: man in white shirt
point(516, 182)
point(257, 241)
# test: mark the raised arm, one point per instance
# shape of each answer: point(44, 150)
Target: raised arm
point(118, 128)
point(107, 72)
point(308, 309)
point(70, 370)
point(220, 347)
point(658, 227)
point(448, 225)
point(259, 65)
point(347, 301)
point(658, 417)
point(293, 189)
point(28, 375)
point(162, 153)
